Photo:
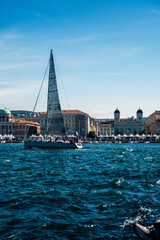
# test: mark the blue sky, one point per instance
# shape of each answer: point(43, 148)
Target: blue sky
point(107, 54)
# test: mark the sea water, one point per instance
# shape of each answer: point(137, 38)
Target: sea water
point(98, 192)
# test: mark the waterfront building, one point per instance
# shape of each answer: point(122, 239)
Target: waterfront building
point(16, 127)
point(75, 121)
point(128, 125)
point(152, 123)
point(22, 127)
point(106, 128)
point(6, 126)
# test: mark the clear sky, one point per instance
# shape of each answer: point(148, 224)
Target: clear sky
point(107, 54)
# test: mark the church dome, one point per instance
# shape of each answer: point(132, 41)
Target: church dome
point(116, 111)
point(5, 111)
point(139, 111)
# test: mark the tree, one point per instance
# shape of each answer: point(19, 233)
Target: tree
point(91, 134)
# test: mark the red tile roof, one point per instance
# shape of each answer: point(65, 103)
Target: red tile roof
point(69, 112)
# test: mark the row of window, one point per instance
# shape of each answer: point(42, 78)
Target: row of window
point(106, 133)
point(3, 119)
point(66, 116)
point(18, 126)
point(5, 127)
point(69, 120)
point(69, 125)
point(19, 132)
point(101, 129)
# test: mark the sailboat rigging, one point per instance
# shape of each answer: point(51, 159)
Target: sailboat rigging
point(55, 123)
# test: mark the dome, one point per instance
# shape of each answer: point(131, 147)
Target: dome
point(139, 111)
point(4, 111)
point(116, 111)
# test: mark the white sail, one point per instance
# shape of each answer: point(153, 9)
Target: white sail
point(55, 124)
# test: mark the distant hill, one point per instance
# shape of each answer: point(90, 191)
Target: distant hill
point(102, 119)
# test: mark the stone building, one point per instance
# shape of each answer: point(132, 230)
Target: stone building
point(21, 128)
point(74, 121)
point(152, 123)
point(6, 126)
point(106, 128)
point(128, 126)
point(16, 127)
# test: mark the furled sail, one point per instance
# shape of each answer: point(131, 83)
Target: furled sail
point(55, 124)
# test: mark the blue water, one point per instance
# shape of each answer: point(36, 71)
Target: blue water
point(97, 192)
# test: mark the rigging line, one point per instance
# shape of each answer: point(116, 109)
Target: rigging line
point(41, 87)
point(37, 98)
point(62, 82)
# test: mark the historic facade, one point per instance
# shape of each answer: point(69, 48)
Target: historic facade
point(21, 128)
point(75, 121)
point(128, 126)
point(106, 128)
point(16, 127)
point(152, 123)
point(6, 125)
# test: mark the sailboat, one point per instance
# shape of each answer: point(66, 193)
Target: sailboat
point(55, 124)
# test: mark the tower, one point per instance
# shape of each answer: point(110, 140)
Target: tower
point(139, 115)
point(117, 115)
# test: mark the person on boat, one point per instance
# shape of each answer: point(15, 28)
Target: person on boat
point(150, 233)
point(72, 140)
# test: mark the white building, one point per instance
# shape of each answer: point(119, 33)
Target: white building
point(129, 125)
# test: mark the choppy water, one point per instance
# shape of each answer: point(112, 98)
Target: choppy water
point(97, 192)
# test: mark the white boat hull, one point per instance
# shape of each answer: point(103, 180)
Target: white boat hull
point(51, 145)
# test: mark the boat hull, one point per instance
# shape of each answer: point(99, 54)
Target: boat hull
point(51, 145)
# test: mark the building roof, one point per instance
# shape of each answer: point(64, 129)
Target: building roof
point(5, 111)
point(70, 112)
point(20, 120)
point(43, 113)
point(107, 122)
point(73, 112)
point(116, 111)
point(139, 111)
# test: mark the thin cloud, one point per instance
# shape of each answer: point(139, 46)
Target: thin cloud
point(6, 36)
point(75, 40)
point(19, 65)
point(155, 11)
point(112, 74)
point(102, 114)
point(38, 15)
point(132, 51)
point(16, 94)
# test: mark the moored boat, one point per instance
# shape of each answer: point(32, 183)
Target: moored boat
point(55, 123)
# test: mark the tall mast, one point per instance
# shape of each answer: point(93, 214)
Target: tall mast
point(55, 124)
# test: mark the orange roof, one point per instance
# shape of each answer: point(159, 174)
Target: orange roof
point(43, 112)
point(107, 122)
point(19, 120)
point(69, 112)
point(73, 112)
